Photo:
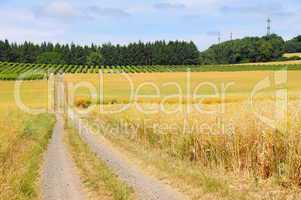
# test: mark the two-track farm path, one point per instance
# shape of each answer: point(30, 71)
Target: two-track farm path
point(60, 180)
point(146, 187)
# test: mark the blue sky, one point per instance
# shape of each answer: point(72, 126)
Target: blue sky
point(124, 21)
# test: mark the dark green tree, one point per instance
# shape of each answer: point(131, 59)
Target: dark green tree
point(50, 58)
point(293, 45)
point(94, 58)
point(248, 49)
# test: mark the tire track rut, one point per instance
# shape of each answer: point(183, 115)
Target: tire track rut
point(146, 187)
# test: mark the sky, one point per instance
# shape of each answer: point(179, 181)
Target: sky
point(125, 21)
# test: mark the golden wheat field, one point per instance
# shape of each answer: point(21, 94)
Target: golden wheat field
point(23, 137)
point(200, 131)
point(117, 88)
point(32, 93)
point(238, 155)
point(243, 148)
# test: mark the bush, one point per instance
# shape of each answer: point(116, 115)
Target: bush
point(82, 103)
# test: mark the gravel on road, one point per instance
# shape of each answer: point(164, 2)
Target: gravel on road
point(146, 187)
point(60, 180)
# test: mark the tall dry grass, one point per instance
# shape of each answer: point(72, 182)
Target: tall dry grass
point(236, 141)
point(23, 138)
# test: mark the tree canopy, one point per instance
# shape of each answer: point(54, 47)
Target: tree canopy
point(94, 58)
point(151, 53)
point(249, 49)
point(50, 58)
point(293, 45)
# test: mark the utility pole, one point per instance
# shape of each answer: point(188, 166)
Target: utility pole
point(269, 27)
point(219, 37)
point(231, 36)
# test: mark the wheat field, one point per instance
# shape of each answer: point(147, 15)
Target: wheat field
point(116, 88)
point(23, 138)
point(234, 144)
point(227, 142)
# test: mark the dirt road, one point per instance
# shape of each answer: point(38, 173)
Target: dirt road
point(147, 188)
point(60, 180)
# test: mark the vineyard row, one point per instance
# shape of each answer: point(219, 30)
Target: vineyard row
point(14, 71)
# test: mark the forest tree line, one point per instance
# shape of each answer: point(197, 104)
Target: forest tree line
point(248, 49)
point(156, 53)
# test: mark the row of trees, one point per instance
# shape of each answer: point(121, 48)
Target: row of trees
point(249, 49)
point(46, 52)
point(156, 53)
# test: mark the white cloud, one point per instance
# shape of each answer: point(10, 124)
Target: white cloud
point(57, 9)
point(199, 3)
point(66, 11)
point(95, 11)
point(259, 9)
point(30, 34)
point(21, 24)
point(61, 8)
point(168, 6)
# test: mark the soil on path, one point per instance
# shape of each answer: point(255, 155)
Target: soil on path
point(146, 187)
point(60, 180)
